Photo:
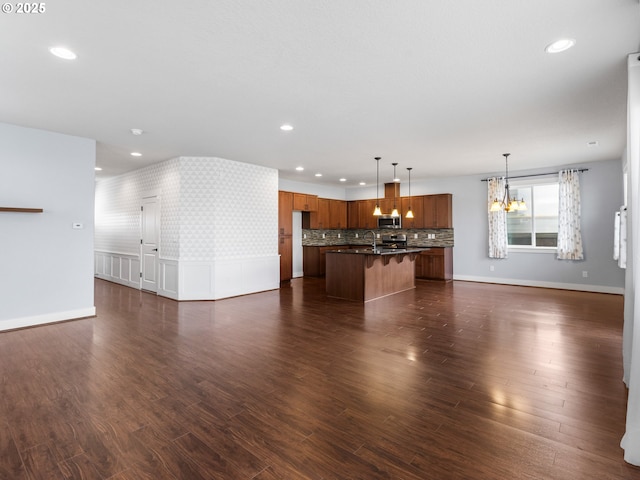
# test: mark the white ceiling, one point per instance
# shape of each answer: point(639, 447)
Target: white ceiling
point(444, 87)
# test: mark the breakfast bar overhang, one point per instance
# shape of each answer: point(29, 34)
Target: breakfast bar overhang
point(367, 274)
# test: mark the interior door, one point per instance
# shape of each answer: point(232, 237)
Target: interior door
point(150, 212)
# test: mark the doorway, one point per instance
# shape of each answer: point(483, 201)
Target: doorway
point(150, 226)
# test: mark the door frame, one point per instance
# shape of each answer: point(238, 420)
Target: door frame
point(156, 196)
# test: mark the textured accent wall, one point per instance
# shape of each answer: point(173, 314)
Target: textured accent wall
point(118, 200)
point(227, 209)
point(216, 216)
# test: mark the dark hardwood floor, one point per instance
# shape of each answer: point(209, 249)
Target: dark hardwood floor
point(449, 381)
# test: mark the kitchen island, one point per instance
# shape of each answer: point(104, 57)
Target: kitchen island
point(365, 274)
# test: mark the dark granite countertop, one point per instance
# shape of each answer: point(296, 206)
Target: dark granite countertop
point(377, 251)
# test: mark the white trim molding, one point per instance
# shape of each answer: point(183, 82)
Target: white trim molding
point(534, 283)
point(53, 317)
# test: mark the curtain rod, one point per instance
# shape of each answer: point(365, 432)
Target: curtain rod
point(540, 174)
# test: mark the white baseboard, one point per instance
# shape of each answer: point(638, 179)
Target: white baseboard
point(534, 283)
point(32, 321)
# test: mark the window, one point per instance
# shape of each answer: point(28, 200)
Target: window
point(538, 225)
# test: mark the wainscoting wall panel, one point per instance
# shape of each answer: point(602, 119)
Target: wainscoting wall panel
point(123, 268)
point(168, 278)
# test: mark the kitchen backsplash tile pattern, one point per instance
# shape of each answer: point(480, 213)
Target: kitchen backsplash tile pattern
point(438, 237)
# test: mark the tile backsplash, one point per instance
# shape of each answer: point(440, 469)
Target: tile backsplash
point(423, 237)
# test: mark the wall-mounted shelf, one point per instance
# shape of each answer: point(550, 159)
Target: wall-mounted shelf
point(21, 210)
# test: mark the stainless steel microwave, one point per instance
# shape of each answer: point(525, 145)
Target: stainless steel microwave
point(387, 221)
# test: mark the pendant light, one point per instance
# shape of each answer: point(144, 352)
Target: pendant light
point(377, 212)
point(507, 203)
point(394, 212)
point(409, 212)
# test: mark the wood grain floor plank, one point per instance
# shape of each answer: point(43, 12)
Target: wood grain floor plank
point(447, 381)
point(40, 463)
point(78, 467)
point(11, 464)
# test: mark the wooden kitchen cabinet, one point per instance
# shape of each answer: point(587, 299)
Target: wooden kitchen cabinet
point(285, 210)
point(337, 214)
point(417, 206)
point(320, 218)
point(366, 219)
point(331, 215)
point(285, 249)
point(353, 214)
point(314, 259)
point(438, 211)
point(285, 231)
point(304, 202)
point(435, 263)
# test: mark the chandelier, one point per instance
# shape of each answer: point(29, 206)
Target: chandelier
point(508, 203)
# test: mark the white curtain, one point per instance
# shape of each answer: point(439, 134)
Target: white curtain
point(620, 237)
point(631, 333)
point(569, 233)
point(497, 220)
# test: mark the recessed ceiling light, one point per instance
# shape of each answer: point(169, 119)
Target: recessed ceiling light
point(318, 174)
point(560, 45)
point(300, 169)
point(286, 127)
point(98, 169)
point(363, 183)
point(137, 131)
point(62, 52)
point(343, 179)
point(136, 154)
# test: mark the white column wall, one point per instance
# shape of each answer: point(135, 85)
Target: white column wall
point(228, 229)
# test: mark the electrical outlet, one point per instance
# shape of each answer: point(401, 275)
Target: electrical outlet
point(304, 235)
point(323, 235)
point(338, 235)
point(491, 268)
point(415, 235)
point(585, 274)
point(357, 236)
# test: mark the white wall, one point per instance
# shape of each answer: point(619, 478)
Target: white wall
point(219, 223)
point(46, 266)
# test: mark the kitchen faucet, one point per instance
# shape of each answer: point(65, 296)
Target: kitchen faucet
point(374, 238)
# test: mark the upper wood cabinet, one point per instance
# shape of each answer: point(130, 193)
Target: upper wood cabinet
point(438, 211)
point(429, 211)
point(338, 213)
point(417, 207)
point(304, 202)
point(331, 214)
point(353, 220)
point(365, 214)
point(285, 209)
